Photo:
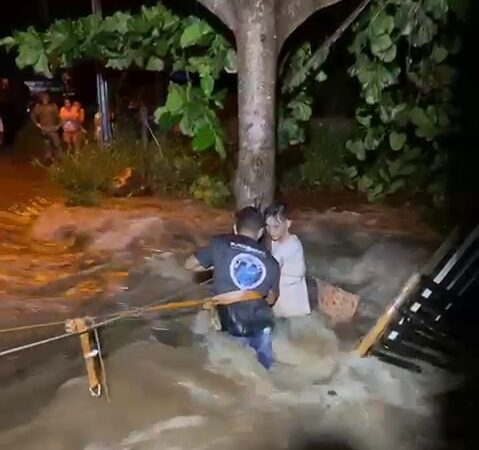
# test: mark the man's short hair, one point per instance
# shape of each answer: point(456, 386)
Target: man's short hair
point(277, 210)
point(249, 219)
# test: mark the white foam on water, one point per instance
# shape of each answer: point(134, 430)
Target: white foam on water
point(154, 431)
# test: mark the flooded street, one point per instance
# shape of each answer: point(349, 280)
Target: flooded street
point(171, 386)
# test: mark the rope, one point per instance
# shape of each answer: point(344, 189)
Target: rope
point(32, 327)
point(135, 311)
point(36, 344)
point(112, 319)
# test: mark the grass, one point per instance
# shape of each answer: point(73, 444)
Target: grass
point(172, 169)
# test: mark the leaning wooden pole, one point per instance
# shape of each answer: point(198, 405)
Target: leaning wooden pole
point(376, 332)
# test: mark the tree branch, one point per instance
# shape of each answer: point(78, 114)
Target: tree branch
point(316, 57)
point(292, 13)
point(223, 9)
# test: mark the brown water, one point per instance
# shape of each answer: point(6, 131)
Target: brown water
point(171, 388)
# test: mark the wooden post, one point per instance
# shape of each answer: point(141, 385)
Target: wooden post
point(90, 354)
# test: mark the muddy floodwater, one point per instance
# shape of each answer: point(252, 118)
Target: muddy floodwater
point(174, 384)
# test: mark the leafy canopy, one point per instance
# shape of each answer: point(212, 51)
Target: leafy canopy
point(155, 39)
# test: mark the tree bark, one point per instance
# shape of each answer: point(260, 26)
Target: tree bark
point(260, 28)
point(257, 49)
point(224, 10)
point(292, 13)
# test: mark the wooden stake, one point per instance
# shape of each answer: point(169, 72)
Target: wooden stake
point(90, 354)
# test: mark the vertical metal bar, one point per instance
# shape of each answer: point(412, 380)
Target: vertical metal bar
point(102, 92)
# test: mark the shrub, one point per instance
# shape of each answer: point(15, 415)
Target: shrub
point(173, 167)
point(212, 191)
point(321, 162)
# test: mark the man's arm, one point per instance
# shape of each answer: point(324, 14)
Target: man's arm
point(194, 265)
point(272, 297)
point(201, 261)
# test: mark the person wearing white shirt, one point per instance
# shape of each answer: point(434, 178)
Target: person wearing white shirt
point(287, 249)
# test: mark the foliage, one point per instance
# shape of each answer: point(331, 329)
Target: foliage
point(211, 190)
point(155, 39)
point(403, 61)
point(90, 173)
point(403, 54)
point(322, 163)
point(295, 107)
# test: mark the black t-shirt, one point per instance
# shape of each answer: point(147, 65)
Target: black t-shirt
point(240, 263)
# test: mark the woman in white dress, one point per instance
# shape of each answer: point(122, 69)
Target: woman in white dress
point(293, 298)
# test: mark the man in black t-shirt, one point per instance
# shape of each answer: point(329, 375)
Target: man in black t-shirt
point(241, 264)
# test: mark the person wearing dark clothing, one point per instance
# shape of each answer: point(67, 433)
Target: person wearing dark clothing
point(241, 264)
point(46, 116)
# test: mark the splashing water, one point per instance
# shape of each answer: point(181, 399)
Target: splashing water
point(213, 394)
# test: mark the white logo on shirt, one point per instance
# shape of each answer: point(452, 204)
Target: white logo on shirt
point(247, 271)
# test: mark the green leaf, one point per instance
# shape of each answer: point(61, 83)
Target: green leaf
point(439, 54)
point(207, 83)
point(394, 168)
point(389, 55)
point(155, 64)
point(42, 66)
point(380, 43)
point(374, 78)
point(351, 172)
point(176, 100)
point(365, 121)
point(357, 148)
point(231, 61)
point(29, 51)
point(384, 175)
point(117, 23)
point(425, 122)
point(289, 132)
point(194, 33)
point(161, 47)
point(301, 110)
point(364, 183)
point(165, 119)
point(373, 138)
point(321, 76)
point(396, 185)
point(389, 113)
point(375, 192)
point(8, 42)
point(382, 24)
point(204, 139)
point(120, 63)
point(360, 40)
point(397, 140)
point(419, 117)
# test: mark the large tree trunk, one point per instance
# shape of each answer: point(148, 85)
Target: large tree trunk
point(260, 27)
point(256, 37)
